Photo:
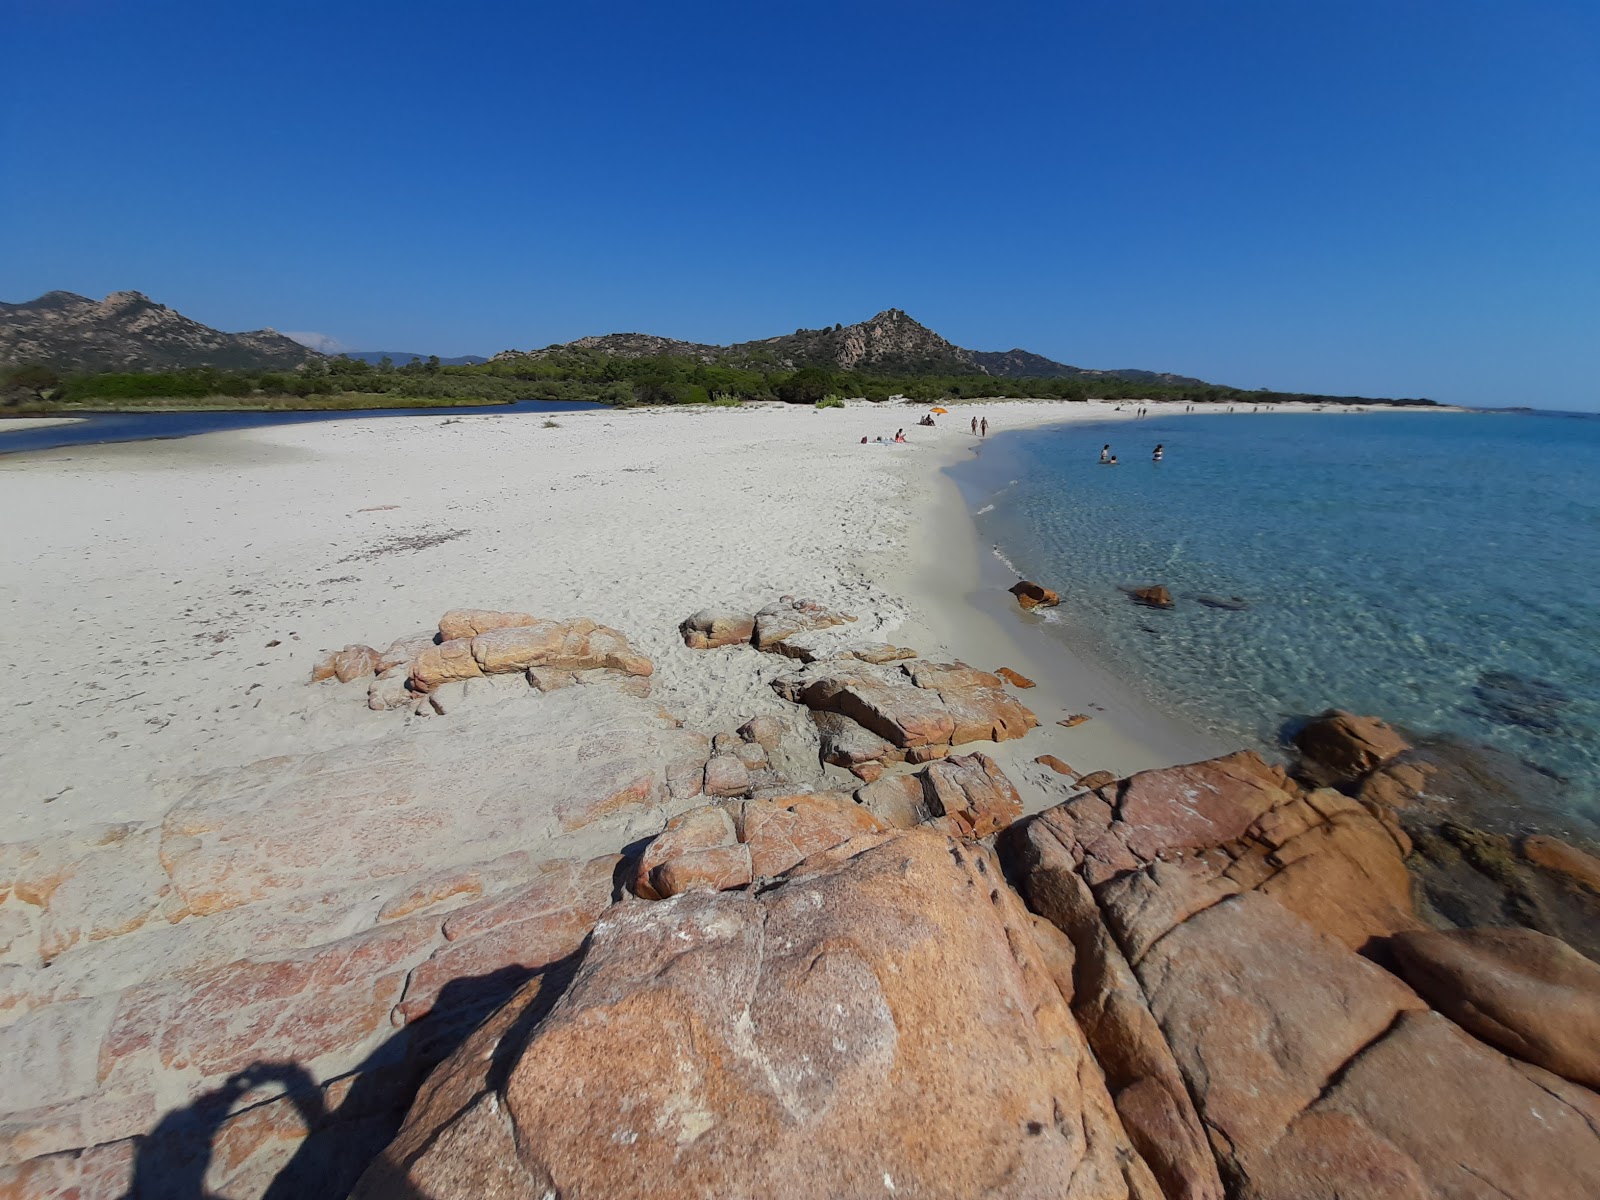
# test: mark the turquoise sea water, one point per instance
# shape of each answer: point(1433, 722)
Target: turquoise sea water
point(1440, 570)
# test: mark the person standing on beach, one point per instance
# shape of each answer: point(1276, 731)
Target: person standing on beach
point(974, 426)
point(985, 427)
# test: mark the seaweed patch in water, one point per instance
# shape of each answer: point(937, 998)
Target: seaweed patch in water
point(1510, 699)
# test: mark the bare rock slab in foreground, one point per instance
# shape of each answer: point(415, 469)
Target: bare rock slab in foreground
point(885, 1026)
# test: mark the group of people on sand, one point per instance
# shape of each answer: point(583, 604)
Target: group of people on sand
point(1108, 459)
point(980, 428)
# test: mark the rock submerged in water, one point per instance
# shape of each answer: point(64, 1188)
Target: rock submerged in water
point(1506, 698)
point(1152, 597)
point(1032, 595)
point(1225, 603)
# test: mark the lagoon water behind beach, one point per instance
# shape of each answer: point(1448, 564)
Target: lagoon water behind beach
point(1436, 569)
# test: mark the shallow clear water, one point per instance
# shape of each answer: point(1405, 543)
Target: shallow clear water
point(1440, 570)
point(148, 426)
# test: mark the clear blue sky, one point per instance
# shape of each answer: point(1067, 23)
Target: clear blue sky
point(1384, 197)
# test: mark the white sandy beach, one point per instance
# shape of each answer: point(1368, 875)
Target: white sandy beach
point(147, 581)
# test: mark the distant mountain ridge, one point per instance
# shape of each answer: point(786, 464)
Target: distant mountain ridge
point(127, 331)
point(891, 342)
point(401, 358)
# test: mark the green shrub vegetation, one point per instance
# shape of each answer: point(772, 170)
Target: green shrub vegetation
point(563, 373)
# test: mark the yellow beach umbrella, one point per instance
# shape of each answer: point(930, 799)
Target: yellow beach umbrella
point(942, 410)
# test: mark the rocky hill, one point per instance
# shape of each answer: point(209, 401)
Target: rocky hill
point(129, 331)
point(891, 342)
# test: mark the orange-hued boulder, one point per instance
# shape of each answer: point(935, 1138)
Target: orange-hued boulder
point(980, 708)
point(1143, 1077)
point(714, 870)
point(882, 1026)
point(706, 828)
point(1014, 678)
point(1226, 905)
point(1097, 779)
point(470, 622)
point(1032, 595)
point(1340, 747)
point(1563, 859)
point(726, 775)
point(899, 801)
point(783, 619)
point(353, 662)
point(1055, 764)
point(974, 792)
point(445, 663)
point(711, 628)
point(783, 831)
point(1529, 994)
point(912, 704)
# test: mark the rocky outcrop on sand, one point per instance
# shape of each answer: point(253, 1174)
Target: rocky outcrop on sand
point(884, 1025)
point(477, 644)
point(773, 628)
point(733, 844)
point(914, 706)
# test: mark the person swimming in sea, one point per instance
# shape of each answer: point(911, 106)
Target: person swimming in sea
point(1105, 453)
point(1110, 462)
point(1160, 450)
